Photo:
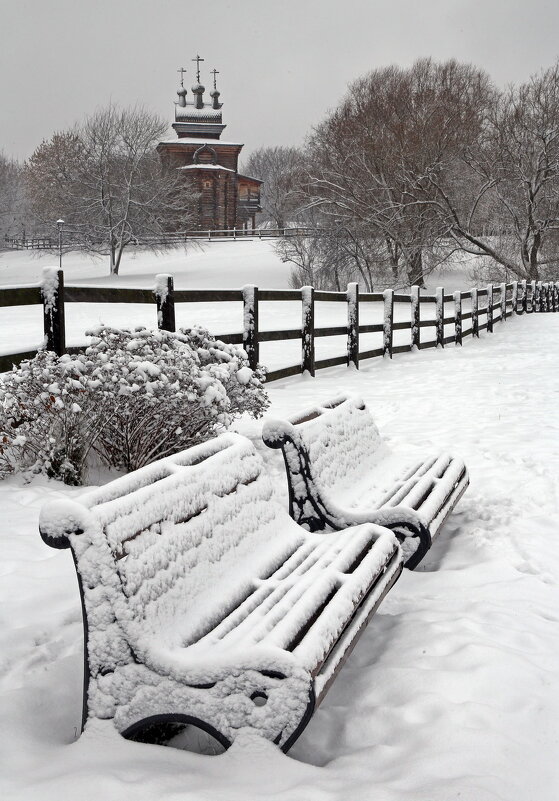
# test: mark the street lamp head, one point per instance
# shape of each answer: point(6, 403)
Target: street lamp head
point(60, 223)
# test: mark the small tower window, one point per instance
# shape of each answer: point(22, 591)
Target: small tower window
point(207, 184)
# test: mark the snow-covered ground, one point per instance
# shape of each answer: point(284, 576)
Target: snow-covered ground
point(451, 692)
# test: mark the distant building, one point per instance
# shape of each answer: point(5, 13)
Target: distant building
point(227, 199)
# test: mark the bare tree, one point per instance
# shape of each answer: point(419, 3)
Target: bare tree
point(11, 199)
point(106, 180)
point(283, 171)
point(375, 158)
point(510, 212)
point(331, 253)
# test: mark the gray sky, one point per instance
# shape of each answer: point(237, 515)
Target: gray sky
point(282, 64)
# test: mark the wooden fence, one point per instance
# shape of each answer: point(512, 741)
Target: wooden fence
point(74, 240)
point(486, 307)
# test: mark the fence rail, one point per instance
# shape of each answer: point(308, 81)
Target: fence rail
point(488, 306)
point(74, 240)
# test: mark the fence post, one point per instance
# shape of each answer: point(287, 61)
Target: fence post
point(503, 303)
point(52, 292)
point(524, 302)
point(457, 318)
point(387, 337)
point(475, 313)
point(353, 325)
point(250, 324)
point(556, 296)
point(165, 298)
point(490, 308)
point(546, 298)
point(533, 297)
point(439, 313)
point(415, 316)
point(515, 298)
point(538, 296)
point(307, 329)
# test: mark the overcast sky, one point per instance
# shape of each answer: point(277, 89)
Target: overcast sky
point(282, 64)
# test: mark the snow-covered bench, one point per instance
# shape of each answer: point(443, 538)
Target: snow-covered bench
point(340, 473)
point(205, 603)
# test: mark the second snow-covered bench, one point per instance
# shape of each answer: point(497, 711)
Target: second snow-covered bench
point(205, 603)
point(340, 473)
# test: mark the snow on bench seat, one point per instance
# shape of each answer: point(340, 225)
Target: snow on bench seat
point(341, 473)
point(205, 602)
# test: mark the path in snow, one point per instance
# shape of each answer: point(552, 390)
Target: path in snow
point(452, 691)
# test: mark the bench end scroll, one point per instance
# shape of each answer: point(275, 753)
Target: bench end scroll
point(60, 518)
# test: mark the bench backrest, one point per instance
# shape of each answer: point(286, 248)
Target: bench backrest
point(326, 449)
point(162, 541)
point(341, 439)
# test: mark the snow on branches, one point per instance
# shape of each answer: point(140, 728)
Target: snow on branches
point(131, 398)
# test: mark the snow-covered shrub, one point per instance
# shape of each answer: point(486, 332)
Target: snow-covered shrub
point(229, 363)
point(132, 397)
point(48, 418)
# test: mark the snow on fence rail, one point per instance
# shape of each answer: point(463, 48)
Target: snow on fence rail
point(494, 303)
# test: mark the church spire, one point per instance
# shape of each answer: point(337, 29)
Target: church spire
point(215, 94)
point(198, 90)
point(182, 91)
point(196, 118)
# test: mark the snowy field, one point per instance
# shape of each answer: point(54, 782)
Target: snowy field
point(451, 692)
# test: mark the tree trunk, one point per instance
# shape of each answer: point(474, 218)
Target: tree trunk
point(394, 258)
point(118, 258)
point(366, 278)
point(114, 265)
point(415, 269)
point(534, 250)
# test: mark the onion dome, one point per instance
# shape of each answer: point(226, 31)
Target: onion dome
point(214, 94)
point(198, 91)
point(182, 96)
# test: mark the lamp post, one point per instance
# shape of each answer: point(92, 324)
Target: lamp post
point(59, 224)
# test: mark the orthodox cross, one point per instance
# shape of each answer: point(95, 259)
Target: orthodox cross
point(197, 60)
point(182, 72)
point(214, 73)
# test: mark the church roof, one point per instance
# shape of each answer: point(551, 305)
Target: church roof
point(249, 178)
point(205, 166)
point(190, 112)
point(190, 140)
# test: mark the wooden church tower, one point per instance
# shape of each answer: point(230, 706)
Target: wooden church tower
point(227, 199)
